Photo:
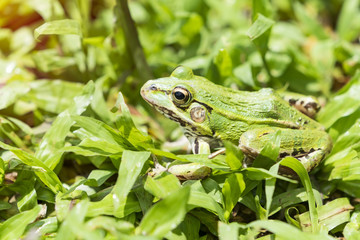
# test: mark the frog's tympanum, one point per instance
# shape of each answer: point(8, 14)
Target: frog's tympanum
point(210, 114)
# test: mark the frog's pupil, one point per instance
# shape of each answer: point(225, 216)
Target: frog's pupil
point(179, 95)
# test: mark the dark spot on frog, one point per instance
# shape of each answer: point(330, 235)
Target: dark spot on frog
point(302, 102)
point(196, 148)
point(297, 152)
point(264, 134)
point(167, 92)
point(205, 105)
point(292, 101)
point(312, 150)
point(171, 115)
point(312, 105)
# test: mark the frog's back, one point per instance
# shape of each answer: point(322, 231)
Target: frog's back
point(257, 107)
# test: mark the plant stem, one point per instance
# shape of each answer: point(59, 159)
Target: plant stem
point(132, 40)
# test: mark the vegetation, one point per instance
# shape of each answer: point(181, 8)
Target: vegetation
point(77, 140)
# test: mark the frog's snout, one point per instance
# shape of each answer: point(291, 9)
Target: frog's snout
point(148, 87)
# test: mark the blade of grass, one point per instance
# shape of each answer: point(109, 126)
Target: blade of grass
point(47, 176)
point(295, 165)
point(132, 39)
point(15, 226)
point(130, 168)
point(59, 27)
point(165, 215)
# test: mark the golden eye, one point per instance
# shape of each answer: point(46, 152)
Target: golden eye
point(180, 96)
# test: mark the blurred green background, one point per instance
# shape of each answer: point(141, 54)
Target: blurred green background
point(69, 141)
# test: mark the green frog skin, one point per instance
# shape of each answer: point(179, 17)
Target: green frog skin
point(210, 114)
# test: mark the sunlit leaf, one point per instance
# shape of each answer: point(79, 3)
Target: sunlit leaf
point(163, 217)
point(14, 227)
point(331, 214)
point(59, 27)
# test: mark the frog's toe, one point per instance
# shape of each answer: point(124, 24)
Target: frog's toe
point(249, 151)
point(312, 159)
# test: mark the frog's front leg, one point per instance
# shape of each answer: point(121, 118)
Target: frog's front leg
point(309, 146)
point(193, 170)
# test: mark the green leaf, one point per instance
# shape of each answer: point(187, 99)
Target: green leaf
point(203, 200)
point(259, 33)
point(11, 92)
point(218, 162)
point(2, 171)
point(48, 9)
point(130, 168)
point(348, 26)
point(223, 62)
point(189, 229)
point(90, 147)
point(59, 27)
point(228, 231)
point(163, 216)
point(98, 103)
point(106, 206)
point(50, 148)
point(262, 6)
point(162, 185)
point(270, 188)
point(295, 165)
point(309, 24)
point(127, 128)
point(28, 199)
point(244, 73)
point(349, 138)
point(330, 215)
point(97, 177)
point(234, 156)
point(44, 226)
point(49, 60)
point(96, 129)
point(73, 226)
point(46, 175)
point(49, 95)
point(261, 25)
point(14, 227)
point(233, 187)
point(286, 231)
point(351, 229)
point(270, 152)
point(262, 174)
point(289, 198)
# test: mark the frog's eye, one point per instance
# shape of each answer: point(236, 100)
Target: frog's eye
point(180, 96)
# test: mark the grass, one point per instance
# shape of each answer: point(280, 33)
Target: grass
point(77, 140)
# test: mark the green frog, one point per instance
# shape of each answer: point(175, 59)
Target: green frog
point(210, 114)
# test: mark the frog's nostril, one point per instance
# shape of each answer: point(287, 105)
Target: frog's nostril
point(152, 87)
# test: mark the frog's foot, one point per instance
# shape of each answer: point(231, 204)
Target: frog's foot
point(308, 105)
point(190, 171)
point(158, 169)
point(312, 159)
point(250, 152)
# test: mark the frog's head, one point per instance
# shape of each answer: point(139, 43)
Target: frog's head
point(175, 97)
